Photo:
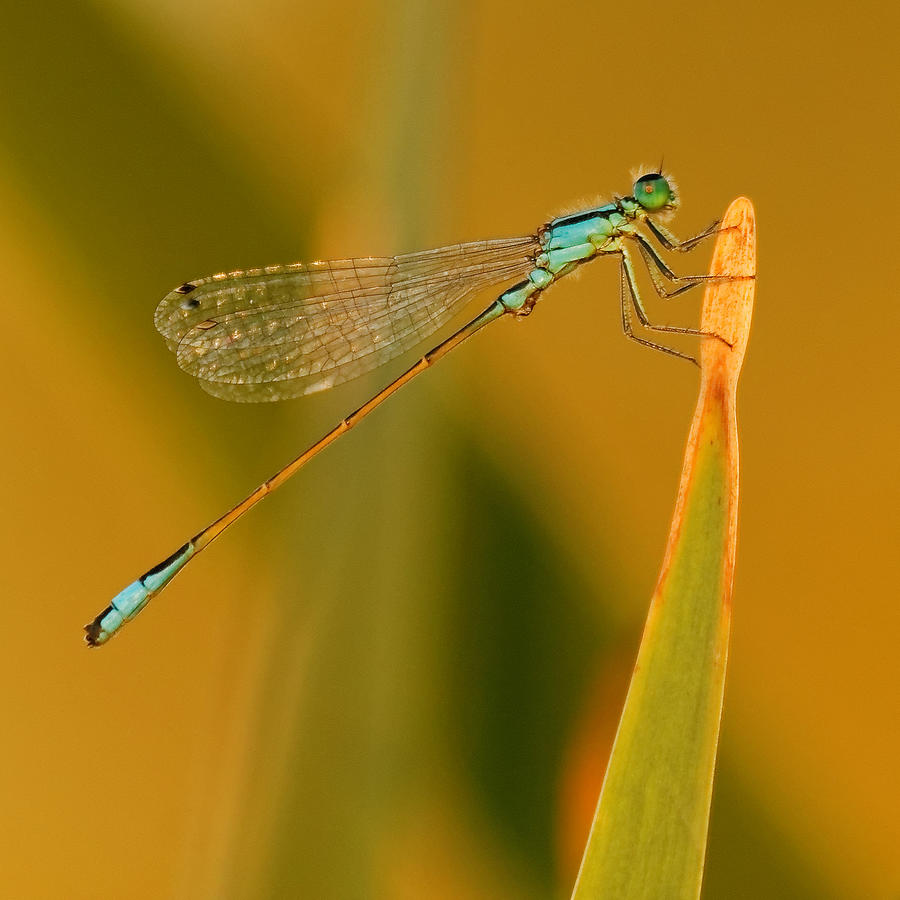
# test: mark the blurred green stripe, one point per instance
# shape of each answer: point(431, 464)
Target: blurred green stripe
point(111, 146)
point(523, 641)
point(115, 151)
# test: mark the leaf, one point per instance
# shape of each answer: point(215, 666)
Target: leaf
point(648, 838)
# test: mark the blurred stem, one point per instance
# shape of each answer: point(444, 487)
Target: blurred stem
point(648, 838)
point(409, 125)
point(335, 709)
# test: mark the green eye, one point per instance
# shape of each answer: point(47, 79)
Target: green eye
point(652, 191)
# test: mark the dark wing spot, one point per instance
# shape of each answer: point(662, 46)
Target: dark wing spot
point(193, 303)
point(186, 288)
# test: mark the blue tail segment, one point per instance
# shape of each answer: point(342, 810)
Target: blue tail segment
point(128, 603)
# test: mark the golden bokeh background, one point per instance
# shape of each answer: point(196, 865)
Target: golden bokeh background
point(401, 676)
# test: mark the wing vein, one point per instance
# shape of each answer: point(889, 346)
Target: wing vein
point(283, 331)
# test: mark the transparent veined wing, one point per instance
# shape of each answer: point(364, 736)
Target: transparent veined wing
point(284, 331)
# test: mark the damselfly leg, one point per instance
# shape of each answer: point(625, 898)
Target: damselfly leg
point(670, 242)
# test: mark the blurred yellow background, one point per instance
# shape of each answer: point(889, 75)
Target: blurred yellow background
point(401, 676)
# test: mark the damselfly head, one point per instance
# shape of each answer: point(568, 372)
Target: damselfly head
point(655, 193)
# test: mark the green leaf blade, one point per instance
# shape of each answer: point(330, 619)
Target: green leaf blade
point(648, 839)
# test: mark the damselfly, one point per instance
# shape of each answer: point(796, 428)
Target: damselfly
point(284, 331)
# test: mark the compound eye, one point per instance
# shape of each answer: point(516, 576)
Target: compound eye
point(652, 191)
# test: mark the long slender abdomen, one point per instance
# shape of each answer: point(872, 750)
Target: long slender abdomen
point(129, 602)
